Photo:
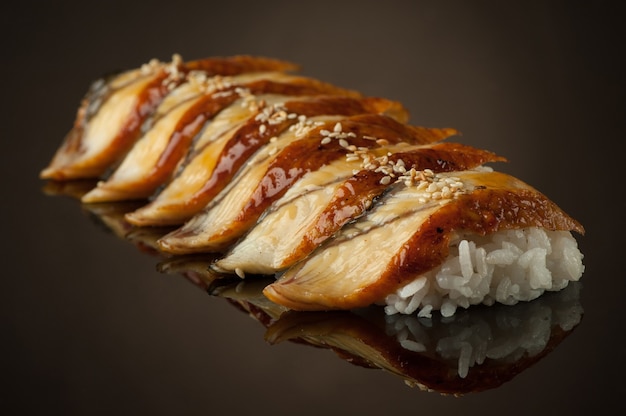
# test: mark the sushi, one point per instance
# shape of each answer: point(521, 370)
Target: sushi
point(334, 194)
point(303, 218)
point(275, 168)
point(186, 112)
point(113, 112)
point(212, 164)
point(440, 241)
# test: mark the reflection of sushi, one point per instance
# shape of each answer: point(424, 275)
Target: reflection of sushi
point(475, 350)
point(334, 192)
point(195, 268)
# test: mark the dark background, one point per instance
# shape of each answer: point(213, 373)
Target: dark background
point(89, 326)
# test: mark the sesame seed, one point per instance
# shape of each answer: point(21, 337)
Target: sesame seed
point(430, 186)
point(239, 272)
point(304, 126)
point(262, 128)
point(386, 180)
point(326, 140)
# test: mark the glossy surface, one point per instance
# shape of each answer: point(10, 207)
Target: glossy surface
point(91, 326)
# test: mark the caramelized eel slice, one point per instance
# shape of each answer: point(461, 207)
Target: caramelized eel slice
point(154, 158)
point(407, 234)
point(191, 237)
point(278, 166)
point(312, 211)
point(111, 114)
point(212, 165)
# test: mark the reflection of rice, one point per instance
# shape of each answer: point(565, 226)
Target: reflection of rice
point(506, 267)
point(505, 334)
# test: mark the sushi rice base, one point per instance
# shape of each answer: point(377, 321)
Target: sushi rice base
point(507, 267)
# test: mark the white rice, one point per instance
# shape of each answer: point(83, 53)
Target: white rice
point(506, 267)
